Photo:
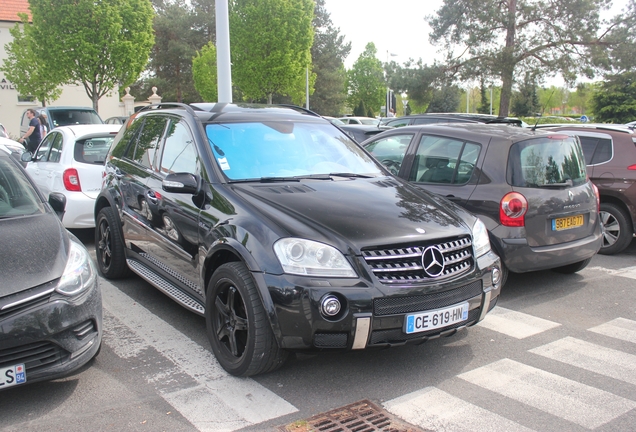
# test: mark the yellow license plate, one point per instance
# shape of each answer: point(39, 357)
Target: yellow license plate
point(560, 224)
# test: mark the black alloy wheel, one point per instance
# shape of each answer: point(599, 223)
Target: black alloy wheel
point(109, 246)
point(239, 331)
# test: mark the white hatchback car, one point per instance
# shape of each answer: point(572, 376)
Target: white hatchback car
point(70, 160)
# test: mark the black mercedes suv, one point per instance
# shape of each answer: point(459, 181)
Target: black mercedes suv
point(286, 235)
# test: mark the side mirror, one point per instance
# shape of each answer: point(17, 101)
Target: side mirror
point(26, 156)
point(57, 201)
point(183, 183)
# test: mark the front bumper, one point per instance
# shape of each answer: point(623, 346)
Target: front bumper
point(373, 315)
point(51, 334)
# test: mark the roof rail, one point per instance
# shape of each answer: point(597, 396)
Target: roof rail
point(162, 105)
point(299, 109)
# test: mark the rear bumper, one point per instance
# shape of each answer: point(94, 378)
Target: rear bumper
point(80, 211)
point(519, 257)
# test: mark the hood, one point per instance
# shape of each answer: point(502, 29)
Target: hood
point(355, 213)
point(34, 251)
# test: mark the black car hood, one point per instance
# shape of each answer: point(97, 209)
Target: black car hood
point(33, 251)
point(355, 213)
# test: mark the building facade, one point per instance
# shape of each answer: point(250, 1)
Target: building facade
point(11, 108)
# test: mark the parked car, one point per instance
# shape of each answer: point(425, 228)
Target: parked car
point(421, 119)
point(529, 187)
point(360, 132)
point(360, 120)
point(334, 120)
point(3, 131)
point(610, 155)
point(14, 148)
point(62, 116)
point(70, 160)
point(286, 235)
point(118, 120)
point(50, 301)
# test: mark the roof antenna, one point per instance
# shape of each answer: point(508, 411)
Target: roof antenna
point(534, 128)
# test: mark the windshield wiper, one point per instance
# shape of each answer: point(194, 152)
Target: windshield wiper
point(345, 174)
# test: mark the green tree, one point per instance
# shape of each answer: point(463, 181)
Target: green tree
point(614, 100)
point(502, 39)
point(96, 44)
point(365, 81)
point(30, 76)
point(445, 99)
point(415, 79)
point(525, 102)
point(580, 99)
point(270, 47)
point(328, 54)
point(484, 105)
point(204, 73)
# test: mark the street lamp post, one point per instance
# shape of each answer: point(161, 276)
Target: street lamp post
point(388, 90)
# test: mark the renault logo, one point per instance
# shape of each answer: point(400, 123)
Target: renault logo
point(571, 195)
point(433, 261)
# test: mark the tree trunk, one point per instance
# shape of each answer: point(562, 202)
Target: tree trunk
point(95, 98)
point(508, 65)
point(269, 98)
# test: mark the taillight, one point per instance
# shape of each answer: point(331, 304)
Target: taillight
point(71, 180)
point(512, 210)
point(632, 167)
point(598, 197)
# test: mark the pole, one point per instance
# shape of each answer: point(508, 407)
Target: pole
point(467, 92)
point(223, 65)
point(307, 87)
point(490, 98)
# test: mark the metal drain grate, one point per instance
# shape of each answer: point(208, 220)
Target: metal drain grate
point(362, 416)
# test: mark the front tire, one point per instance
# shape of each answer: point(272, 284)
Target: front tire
point(238, 329)
point(109, 246)
point(617, 229)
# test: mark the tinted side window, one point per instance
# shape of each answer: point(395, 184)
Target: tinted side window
point(398, 122)
point(603, 151)
point(43, 151)
point(148, 140)
point(56, 149)
point(444, 160)
point(126, 145)
point(589, 146)
point(179, 154)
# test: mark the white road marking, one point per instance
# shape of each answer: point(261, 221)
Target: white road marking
point(581, 404)
point(515, 324)
point(595, 358)
point(628, 272)
point(212, 400)
point(434, 409)
point(619, 328)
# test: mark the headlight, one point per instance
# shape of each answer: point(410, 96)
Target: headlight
point(79, 273)
point(481, 243)
point(310, 258)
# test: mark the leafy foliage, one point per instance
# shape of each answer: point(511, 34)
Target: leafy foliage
point(30, 76)
point(270, 47)
point(97, 44)
point(445, 99)
point(204, 73)
point(614, 101)
point(525, 102)
point(493, 38)
point(365, 81)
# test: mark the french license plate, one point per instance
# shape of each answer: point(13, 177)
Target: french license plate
point(12, 375)
point(564, 223)
point(431, 320)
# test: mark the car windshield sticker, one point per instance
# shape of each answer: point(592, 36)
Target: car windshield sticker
point(223, 163)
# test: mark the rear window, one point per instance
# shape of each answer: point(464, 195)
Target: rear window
point(547, 161)
point(93, 150)
point(72, 117)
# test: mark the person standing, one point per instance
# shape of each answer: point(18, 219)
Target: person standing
point(31, 139)
point(44, 125)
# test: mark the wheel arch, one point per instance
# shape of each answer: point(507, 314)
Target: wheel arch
point(611, 199)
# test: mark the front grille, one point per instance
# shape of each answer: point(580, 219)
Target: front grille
point(403, 265)
point(35, 356)
point(398, 335)
point(399, 305)
point(32, 303)
point(330, 340)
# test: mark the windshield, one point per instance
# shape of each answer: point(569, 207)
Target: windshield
point(74, 116)
point(284, 149)
point(556, 160)
point(17, 196)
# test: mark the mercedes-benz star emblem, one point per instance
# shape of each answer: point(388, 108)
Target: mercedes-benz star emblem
point(433, 261)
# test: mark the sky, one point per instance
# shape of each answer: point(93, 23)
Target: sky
point(394, 26)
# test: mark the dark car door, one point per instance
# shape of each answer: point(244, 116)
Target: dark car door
point(173, 245)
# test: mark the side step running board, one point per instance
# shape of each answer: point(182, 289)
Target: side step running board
point(166, 287)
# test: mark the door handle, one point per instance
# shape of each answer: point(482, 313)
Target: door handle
point(150, 196)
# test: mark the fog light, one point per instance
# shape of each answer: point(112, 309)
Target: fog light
point(496, 275)
point(330, 306)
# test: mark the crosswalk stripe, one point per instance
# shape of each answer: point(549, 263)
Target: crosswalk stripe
point(619, 328)
point(515, 324)
point(595, 358)
point(213, 400)
point(434, 409)
point(578, 403)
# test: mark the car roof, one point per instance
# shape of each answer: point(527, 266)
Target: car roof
point(471, 131)
point(589, 126)
point(89, 129)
